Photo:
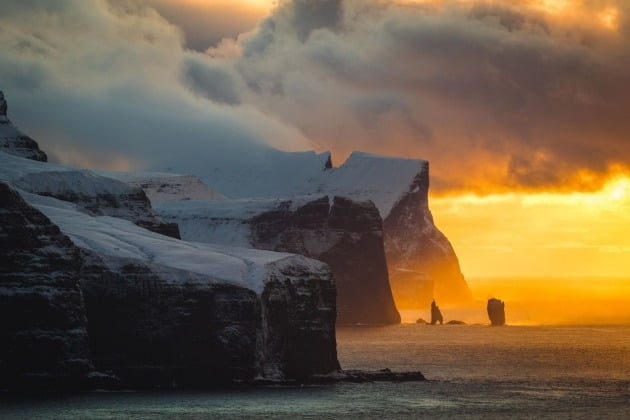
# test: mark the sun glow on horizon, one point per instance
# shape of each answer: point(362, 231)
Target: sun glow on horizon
point(546, 234)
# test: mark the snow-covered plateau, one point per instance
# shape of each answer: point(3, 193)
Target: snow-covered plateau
point(92, 280)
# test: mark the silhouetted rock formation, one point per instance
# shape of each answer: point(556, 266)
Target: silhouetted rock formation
point(43, 338)
point(345, 234)
point(421, 260)
point(15, 142)
point(436, 314)
point(421, 321)
point(455, 322)
point(496, 312)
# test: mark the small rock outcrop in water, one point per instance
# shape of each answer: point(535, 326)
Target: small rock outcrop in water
point(13, 141)
point(455, 322)
point(421, 321)
point(496, 312)
point(436, 315)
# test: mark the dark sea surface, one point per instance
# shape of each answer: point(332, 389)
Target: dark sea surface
point(474, 372)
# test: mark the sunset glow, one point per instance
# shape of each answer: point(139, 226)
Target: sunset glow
point(540, 234)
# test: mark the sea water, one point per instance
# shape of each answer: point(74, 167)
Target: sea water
point(473, 371)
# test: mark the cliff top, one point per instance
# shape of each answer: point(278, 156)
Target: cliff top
point(109, 236)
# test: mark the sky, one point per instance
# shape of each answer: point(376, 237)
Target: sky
point(521, 106)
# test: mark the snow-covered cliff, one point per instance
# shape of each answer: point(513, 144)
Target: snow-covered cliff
point(421, 262)
point(15, 142)
point(160, 311)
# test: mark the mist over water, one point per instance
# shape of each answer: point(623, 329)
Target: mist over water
point(542, 301)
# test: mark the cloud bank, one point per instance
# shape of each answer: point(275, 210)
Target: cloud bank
point(111, 85)
point(498, 95)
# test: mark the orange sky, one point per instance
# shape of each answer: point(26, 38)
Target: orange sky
point(540, 234)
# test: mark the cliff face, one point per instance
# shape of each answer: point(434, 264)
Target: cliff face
point(160, 312)
point(348, 236)
point(43, 338)
point(164, 312)
point(98, 195)
point(422, 263)
point(15, 142)
point(150, 330)
point(345, 234)
point(297, 335)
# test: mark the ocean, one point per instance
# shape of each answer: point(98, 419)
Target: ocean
point(473, 371)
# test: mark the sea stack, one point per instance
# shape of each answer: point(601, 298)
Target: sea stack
point(436, 315)
point(496, 312)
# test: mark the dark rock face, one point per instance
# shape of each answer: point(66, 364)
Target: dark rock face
point(496, 312)
point(297, 336)
point(436, 314)
point(43, 339)
point(422, 263)
point(15, 142)
point(3, 105)
point(151, 332)
point(148, 325)
point(346, 235)
point(98, 195)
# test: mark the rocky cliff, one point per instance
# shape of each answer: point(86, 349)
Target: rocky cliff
point(151, 329)
point(43, 337)
point(163, 312)
point(97, 195)
point(346, 234)
point(15, 142)
point(421, 262)
point(84, 285)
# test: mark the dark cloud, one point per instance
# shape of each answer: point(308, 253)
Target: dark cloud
point(204, 24)
point(496, 94)
point(215, 81)
point(482, 89)
point(105, 86)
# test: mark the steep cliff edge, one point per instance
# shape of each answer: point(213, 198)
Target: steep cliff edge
point(98, 195)
point(165, 312)
point(43, 337)
point(15, 142)
point(421, 262)
point(346, 234)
